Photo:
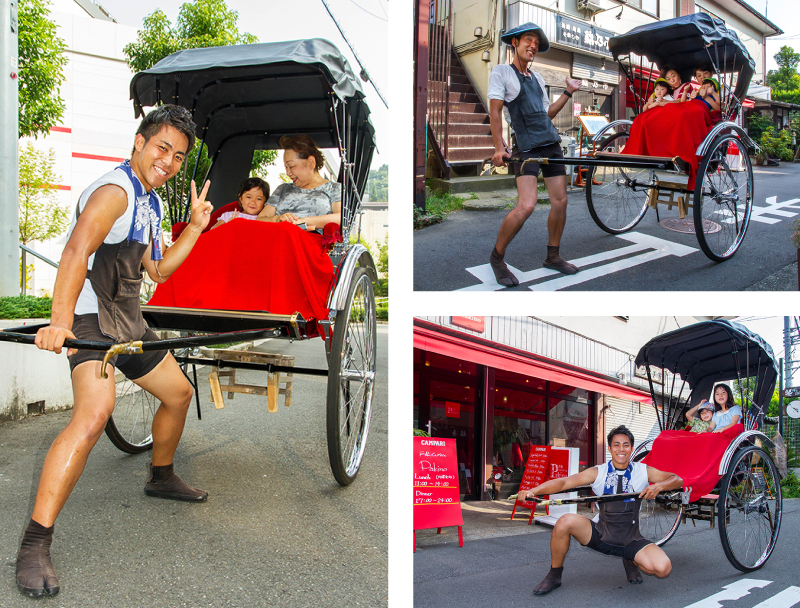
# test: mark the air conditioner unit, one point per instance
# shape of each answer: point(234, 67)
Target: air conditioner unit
point(590, 5)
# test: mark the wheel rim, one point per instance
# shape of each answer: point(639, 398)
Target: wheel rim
point(659, 519)
point(725, 199)
point(133, 414)
point(357, 377)
point(619, 202)
point(752, 510)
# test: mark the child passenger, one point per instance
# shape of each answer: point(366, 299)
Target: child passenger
point(253, 195)
point(661, 94)
point(705, 424)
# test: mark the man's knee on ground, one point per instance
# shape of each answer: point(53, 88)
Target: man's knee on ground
point(663, 570)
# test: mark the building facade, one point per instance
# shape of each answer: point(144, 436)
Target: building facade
point(500, 385)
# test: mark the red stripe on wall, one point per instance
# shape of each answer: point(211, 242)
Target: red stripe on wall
point(61, 129)
point(97, 157)
point(63, 187)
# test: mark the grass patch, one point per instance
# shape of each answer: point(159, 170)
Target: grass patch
point(25, 307)
point(438, 206)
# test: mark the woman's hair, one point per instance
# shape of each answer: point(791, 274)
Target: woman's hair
point(254, 182)
point(667, 67)
point(303, 146)
point(729, 402)
point(703, 66)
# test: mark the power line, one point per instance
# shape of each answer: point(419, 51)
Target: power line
point(369, 13)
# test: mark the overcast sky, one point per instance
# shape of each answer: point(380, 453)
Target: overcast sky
point(364, 23)
point(784, 14)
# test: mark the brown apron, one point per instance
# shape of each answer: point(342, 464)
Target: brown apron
point(619, 520)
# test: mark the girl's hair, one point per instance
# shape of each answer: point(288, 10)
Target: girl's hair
point(663, 84)
point(303, 146)
point(729, 402)
point(254, 182)
point(703, 66)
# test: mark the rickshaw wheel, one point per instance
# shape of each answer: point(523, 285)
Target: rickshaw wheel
point(130, 426)
point(614, 204)
point(659, 519)
point(749, 509)
point(723, 198)
point(351, 379)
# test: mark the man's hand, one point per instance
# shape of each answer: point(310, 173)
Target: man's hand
point(201, 209)
point(52, 338)
point(523, 494)
point(651, 491)
point(497, 158)
point(573, 84)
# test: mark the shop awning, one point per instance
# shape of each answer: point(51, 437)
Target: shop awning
point(487, 353)
point(748, 103)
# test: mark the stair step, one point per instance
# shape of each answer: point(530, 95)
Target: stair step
point(469, 141)
point(468, 108)
point(469, 154)
point(472, 117)
point(464, 98)
point(467, 128)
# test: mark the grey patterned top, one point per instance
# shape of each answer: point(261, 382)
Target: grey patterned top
point(289, 198)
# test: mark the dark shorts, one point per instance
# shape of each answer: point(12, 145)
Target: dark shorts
point(87, 327)
point(625, 552)
point(550, 151)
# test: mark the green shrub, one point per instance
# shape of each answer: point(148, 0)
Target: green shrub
point(777, 145)
point(791, 485)
point(25, 307)
point(757, 124)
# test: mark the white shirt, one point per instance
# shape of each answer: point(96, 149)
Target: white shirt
point(87, 300)
point(639, 479)
point(504, 85)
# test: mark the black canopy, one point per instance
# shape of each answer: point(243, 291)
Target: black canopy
point(713, 351)
point(688, 41)
point(246, 97)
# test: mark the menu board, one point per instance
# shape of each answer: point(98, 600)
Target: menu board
point(436, 500)
point(537, 471)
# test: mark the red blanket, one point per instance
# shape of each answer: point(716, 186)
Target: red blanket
point(676, 129)
point(250, 265)
point(694, 457)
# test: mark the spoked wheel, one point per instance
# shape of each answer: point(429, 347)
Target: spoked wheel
point(749, 509)
point(130, 427)
point(723, 198)
point(619, 201)
point(351, 379)
point(659, 518)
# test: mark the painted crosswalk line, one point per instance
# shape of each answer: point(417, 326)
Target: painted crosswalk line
point(785, 599)
point(734, 591)
point(644, 248)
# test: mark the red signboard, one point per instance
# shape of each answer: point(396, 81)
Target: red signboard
point(452, 409)
point(473, 323)
point(436, 500)
point(536, 473)
point(559, 464)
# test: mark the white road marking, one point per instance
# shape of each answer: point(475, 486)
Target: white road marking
point(734, 591)
point(773, 208)
point(648, 247)
point(785, 599)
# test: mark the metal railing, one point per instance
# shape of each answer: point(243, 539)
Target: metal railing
point(439, 61)
point(26, 250)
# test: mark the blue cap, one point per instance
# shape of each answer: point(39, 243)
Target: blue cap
point(706, 406)
point(544, 43)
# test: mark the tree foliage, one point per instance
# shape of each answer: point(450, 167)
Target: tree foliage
point(200, 24)
point(378, 184)
point(41, 218)
point(785, 81)
point(41, 69)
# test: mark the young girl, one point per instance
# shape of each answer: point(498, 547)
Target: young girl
point(706, 422)
point(661, 94)
point(708, 93)
point(728, 413)
point(253, 195)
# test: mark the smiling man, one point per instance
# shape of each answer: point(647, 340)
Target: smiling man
point(115, 231)
point(617, 530)
point(519, 94)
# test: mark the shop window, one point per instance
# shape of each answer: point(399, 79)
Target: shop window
point(570, 427)
point(518, 380)
point(567, 390)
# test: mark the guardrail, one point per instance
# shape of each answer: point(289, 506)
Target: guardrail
point(26, 250)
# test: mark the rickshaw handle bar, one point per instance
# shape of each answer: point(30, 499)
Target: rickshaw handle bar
point(583, 499)
point(588, 161)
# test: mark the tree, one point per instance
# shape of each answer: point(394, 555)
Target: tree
point(785, 81)
point(41, 69)
point(378, 184)
point(200, 24)
point(41, 218)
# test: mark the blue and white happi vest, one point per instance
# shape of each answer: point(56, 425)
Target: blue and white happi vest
point(147, 213)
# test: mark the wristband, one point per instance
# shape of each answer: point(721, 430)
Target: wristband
point(568, 94)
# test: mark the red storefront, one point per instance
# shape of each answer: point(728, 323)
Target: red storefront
point(498, 401)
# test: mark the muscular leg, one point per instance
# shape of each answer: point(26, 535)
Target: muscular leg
point(568, 526)
point(653, 561)
point(512, 223)
point(557, 190)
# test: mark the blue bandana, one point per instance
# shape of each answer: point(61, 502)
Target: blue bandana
point(146, 213)
point(610, 486)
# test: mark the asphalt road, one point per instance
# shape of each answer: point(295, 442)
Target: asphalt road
point(503, 572)
point(277, 530)
point(654, 258)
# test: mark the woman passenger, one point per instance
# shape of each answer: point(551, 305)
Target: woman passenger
point(680, 91)
point(310, 199)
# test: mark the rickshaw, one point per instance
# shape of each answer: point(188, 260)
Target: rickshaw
point(745, 503)
point(244, 98)
point(621, 187)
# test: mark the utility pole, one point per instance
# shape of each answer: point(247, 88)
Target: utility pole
point(9, 149)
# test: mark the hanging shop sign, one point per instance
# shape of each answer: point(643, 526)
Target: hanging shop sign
point(473, 323)
point(581, 35)
point(436, 500)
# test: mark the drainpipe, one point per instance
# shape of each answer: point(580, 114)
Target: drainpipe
point(9, 149)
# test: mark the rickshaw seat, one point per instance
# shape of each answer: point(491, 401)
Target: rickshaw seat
point(693, 457)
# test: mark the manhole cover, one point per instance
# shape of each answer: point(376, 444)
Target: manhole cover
point(686, 225)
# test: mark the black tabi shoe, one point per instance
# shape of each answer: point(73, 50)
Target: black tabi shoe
point(501, 272)
point(632, 572)
point(550, 582)
point(35, 573)
point(554, 261)
point(164, 483)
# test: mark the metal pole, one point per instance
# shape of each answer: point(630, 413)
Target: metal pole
point(9, 150)
point(780, 401)
point(787, 350)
